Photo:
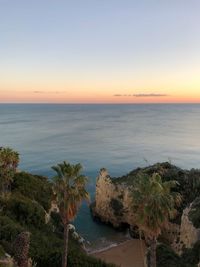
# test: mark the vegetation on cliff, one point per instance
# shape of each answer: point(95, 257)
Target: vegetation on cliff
point(9, 160)
point(154, 205)
point(167, 257)
point(113, 206)
point(25, 209)
point(188, 181)
point(69, 189)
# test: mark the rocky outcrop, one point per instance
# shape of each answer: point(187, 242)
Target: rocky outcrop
point(53, 208)
point(112, 201)
point(189, 235)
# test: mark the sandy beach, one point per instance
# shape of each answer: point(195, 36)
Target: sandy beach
point(127, 254)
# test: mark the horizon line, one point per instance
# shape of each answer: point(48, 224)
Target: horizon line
point(100, 103)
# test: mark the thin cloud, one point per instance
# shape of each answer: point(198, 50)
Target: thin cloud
point(38, 92)
point(150, 95)
point(141, 95)
point(46, 92)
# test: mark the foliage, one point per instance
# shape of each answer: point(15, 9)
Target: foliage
point(2, 252)
point(9, 160)
point(154, 203)
point(24, 210)
point(192, 255)
point(35, 187)
point(9, 229)
point(167, 257)
point(46, 248)
point(153, 206)
point(69, 189)
point(188, 182)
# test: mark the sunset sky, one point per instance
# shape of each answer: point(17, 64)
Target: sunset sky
point(99, 51)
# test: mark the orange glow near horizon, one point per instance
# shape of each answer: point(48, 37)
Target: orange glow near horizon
point(143, 86)
point(38, 96)
point(173, 88)
point(147, 85)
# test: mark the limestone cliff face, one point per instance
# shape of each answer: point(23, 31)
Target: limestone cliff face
point(189, 235)
point(113, 205)
point(112, 201)
point(53, 208)
point(184, 235)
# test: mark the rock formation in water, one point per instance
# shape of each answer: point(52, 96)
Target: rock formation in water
point(112, 201)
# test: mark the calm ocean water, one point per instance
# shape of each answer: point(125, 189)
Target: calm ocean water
point(118, 137)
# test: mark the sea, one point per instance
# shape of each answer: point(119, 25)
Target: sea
point(114, 136)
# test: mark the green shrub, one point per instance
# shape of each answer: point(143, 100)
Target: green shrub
point(25, 211)
point(192, 255)
point(35, 187)
point(2, 252)
point(9, 229)
point(46, 248)
point(166, 257)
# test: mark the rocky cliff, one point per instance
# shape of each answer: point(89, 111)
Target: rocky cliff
point(113, 202)
point(189, 234)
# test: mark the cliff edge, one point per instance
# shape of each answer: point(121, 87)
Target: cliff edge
point(113, 202)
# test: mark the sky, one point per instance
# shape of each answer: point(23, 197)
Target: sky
point(99, 51)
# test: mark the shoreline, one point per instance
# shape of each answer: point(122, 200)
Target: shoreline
point(125, 254)
point(106, 248)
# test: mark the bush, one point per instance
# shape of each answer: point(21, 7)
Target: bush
point(2, 252)
point(167, 257)
point(46, 248)
point(35, 187)
point(192, 256)
point(25, 211)
point(9, 229)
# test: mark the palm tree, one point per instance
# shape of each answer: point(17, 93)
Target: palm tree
point(69, 188)
point(154, 205)
point(9, 160)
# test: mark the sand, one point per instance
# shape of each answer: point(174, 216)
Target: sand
point(127, 254)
